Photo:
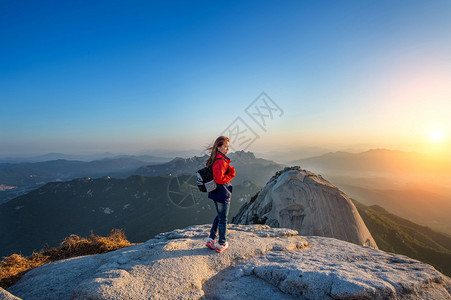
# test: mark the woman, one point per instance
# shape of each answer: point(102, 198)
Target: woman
point(222, 174)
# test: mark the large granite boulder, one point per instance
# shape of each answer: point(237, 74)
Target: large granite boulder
point(261, 263)
point(300, 200)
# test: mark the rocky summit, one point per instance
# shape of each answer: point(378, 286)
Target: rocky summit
point(261, 263)
point(300, 200)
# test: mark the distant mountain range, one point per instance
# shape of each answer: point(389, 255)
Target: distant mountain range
point(142, 206)
point(376, 160)
point(409, 184)
point(288, 156)
point(13, 174)
point(398, 235)
point(248, 167)
point(28, 176)
point(84, 157)
point(426, 207)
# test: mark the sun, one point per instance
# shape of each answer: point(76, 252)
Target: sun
point(436, 136)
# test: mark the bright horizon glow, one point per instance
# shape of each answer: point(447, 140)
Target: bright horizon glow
point(436, 136)
point(134, 76)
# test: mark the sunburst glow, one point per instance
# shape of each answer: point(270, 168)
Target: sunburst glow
point(436, 136)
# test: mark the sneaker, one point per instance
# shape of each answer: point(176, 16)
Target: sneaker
point(221, 248)
point(210, 243)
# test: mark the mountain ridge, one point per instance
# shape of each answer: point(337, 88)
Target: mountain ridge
point(251, 168)
point(398, 235)
point(375, 160)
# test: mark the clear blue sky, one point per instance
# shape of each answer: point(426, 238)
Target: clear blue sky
point(124, 76)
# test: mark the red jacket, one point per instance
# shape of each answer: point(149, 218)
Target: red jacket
point(222, 172)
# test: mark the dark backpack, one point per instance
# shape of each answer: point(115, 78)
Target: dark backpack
point(205, 181)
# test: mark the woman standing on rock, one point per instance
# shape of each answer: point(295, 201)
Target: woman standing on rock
point(222, 174)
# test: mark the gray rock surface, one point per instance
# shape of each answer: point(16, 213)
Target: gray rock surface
point(4, 295)
point(300, 200)
point(262, 262)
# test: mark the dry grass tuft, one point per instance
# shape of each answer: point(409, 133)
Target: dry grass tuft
point(13, 267)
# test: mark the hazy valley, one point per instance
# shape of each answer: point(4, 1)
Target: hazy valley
point(410, 185)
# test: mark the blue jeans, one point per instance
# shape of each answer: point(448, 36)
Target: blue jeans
point(220, 221)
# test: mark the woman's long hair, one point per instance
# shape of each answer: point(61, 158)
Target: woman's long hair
point(214, 149)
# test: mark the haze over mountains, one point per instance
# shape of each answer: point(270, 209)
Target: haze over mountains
point(26, 176)
point(250, 168)
point(84, 157)
point(397, 235)
point(377, 161)
point(409, 184)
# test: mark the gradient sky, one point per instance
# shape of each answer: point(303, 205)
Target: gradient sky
point(125, 76)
